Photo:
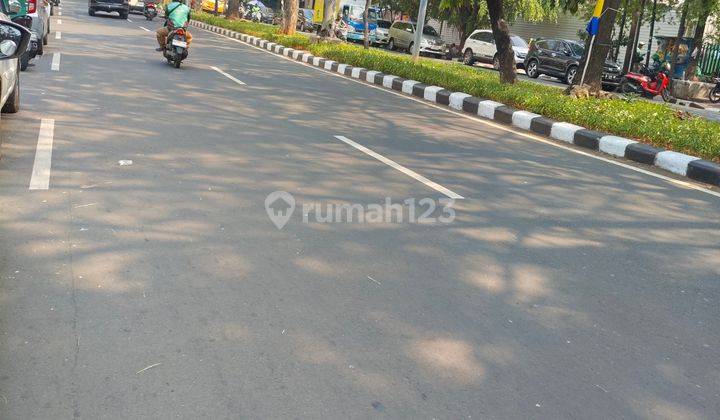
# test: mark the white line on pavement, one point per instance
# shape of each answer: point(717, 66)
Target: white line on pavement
point(59, 21)
point(129, 20)
point(399, 167)
point(55, 66)
point(676, 182)
point(40, 179)
point(239, 82)
point(144, 28)
point(58, 35)
point(59, 13)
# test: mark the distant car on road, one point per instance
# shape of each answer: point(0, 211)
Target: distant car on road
point(402, 35)
point(305, 20)
point(137, 6)
point(122, 7)
point(382, 32)
point(480, 46)
point(561, 58)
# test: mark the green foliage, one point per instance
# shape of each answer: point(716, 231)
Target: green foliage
point(653, 123)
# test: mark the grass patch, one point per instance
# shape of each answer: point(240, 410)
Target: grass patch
point(653, 123)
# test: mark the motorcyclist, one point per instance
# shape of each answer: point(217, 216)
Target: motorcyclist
point(177, 15)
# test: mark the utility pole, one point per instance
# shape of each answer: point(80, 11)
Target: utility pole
point(419, 26)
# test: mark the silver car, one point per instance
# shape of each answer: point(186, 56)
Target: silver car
point(402, 35)
point(382, 32)
point(39, 11)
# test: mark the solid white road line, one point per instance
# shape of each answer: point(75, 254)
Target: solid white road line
point(59, 13)
point(239, 82)
point(144, 28)
point(40, 179)
point(59, 21)
point(58, 35)
point(129, 20)
point(530, 136)
point(55, 66)
point(401, 168)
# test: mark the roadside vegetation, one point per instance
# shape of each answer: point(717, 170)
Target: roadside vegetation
point(653, 123)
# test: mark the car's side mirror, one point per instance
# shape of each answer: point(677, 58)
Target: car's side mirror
point(14, 7)
point(14, 40)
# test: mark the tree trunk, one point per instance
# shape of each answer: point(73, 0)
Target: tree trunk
point(290, 17)
point(231, 10)
point(681, 33)
point(501, 33)
point(327, 28)
point(631, 41)
point(697, 44)
point(366, 30)
point(593, 78)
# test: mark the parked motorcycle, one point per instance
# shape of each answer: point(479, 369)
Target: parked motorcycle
point(149, 11)
point(176, 49)
point(648, 83)
point(715, 92)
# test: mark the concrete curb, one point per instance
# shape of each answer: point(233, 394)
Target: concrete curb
point(677, 163)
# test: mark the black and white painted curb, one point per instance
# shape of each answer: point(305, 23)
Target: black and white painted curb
point(677, 163)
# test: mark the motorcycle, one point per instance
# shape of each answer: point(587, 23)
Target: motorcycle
point(715, 92)
point(648, 83)
point(176, 48)
point(150, 11)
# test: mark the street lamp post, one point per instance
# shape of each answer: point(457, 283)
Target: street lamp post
point(419, 30)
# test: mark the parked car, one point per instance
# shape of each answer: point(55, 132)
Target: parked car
point(305, 20)
point(561, 58)
point(402, 35)
point(14, 40)
point(382, 32)
point(39, 11)
point(122, 7)
point(480, 46)
point(21, 18)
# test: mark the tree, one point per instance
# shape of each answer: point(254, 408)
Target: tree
point(501, 33)
point(327, 28)
point(290, 17)
point(600, 48)
point(681, 33)
point(366, 30)
point(232, 11)
point(705, 8)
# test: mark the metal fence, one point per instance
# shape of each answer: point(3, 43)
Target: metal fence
point(709, 62)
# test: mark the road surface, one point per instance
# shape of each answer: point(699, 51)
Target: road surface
point(565, 287)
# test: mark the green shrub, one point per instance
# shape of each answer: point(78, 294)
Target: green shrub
point(650, 122)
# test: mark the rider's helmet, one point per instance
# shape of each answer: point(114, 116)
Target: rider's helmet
point(665, 66)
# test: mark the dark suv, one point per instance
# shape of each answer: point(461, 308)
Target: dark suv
point(122, 7)
point(560, 58)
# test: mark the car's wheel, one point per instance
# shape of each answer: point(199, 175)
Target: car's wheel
point(410, 47)
point(52, 10)
point(570, 75)
point(469, 57)
point(24, 61)
point(91, 12)
point(496, 62)
point(12, 105)
point(391, 45)
point(40, 49)
point(45, 40)
point(532, 70)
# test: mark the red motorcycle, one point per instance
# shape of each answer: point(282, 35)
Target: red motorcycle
point(149, 10)
point(648, 83)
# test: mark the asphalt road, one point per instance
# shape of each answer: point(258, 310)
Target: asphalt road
point(566, 287)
